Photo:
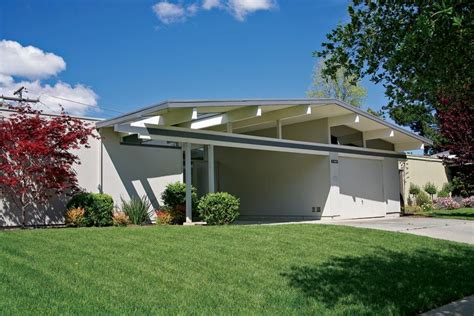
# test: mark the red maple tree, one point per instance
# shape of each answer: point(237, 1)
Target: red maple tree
point(36, 158)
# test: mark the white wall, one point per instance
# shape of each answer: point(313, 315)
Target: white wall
point(137, 170)
point(363, 187)
point(420, 170)
point(273, 183)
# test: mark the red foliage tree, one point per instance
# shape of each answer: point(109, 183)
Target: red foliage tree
point(456, 123)
point(36, 158)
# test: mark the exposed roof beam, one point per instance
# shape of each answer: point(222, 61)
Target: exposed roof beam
point(229, 117)
point(343, 120)
point(274, 116)
point(379, 133)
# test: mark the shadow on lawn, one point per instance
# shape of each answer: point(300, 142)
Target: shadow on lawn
point(388, 281)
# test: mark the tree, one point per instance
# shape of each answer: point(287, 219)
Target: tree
point(340, 87)
point(431, 189)
point(421, 51)
point(36, 161)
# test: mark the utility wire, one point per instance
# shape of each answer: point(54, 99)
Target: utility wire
point(100, 107)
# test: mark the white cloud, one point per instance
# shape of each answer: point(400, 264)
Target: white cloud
point(211, 4)
point(192, 9)
point(241, 8)
point(28, 61)
point(169, 12)
point(32, 63)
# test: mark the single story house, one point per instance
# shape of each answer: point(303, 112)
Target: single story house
point(292, 158)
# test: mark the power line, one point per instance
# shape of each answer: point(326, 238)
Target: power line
point(91, 105)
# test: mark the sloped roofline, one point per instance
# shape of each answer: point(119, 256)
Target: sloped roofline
point(171, 104)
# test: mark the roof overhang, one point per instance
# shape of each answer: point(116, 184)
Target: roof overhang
point(201, 137)
point(241, 116)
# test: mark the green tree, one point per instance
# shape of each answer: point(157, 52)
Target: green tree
point(421, 51)
point(341, 87)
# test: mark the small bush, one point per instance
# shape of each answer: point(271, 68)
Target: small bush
point(430, 188)
point(422, 198)
point(447, 204)
point(443, 194)
point(468, 202)
point(98, 208)
point(175, 195)
point(75, 217)
point(120, 219)
point(427, 207)
point(137, 210)
point(414, 189)
point(219, 208)
point(164, 217)
point(447, 187)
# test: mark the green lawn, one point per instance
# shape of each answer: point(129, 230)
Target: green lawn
point(461, 213)
point(287, 269)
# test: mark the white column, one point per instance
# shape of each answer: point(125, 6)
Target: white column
point(229, 127)
point(210, 167)
point(187, 166)
point(279, 132)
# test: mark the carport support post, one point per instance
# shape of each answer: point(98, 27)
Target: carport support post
point(187, 167)
point(210, 167)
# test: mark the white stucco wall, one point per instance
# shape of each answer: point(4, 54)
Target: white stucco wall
point(420, 170)
point(137, 170)
point(363, 187)
point(273, 183)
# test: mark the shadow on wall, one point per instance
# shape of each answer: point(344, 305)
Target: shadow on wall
point(388, 282)
point(145, 168)
point(39, 215)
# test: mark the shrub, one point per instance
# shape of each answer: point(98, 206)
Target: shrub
point(443, 194)
point(75, 217)
point(164, 217)
point(219, 208)
point(427, 207)
point(447, 187)
point(175, 195)
point(422, 198)
point(414, 189)
point(120, 219)
point(468, 202)
point(98, 208)
point(447, 203)
point(137, 210)
point(430, 188)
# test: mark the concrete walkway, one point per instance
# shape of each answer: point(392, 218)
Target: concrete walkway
point(448, 229)
point(461, 308)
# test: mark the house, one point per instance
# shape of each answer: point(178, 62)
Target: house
point(291, 158)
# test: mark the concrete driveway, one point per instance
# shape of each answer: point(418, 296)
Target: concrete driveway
point(448, 229)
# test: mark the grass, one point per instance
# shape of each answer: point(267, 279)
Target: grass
point(461, 213)
point(287, 269)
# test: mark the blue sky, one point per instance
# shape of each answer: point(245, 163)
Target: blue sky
point(129, 58)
